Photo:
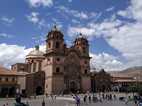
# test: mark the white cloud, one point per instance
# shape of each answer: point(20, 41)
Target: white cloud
point(82, 15)
point(33, 17)
point(75, 13)
point(37, 3)
point(74, 31)
point(125, 37)
point(38, 39)
point(69, 1)
point(7, 20)
point(133, 11)
point(75, 21)
point(105, 61)
point(4, 35)
point(11, 54)
point(109, 9)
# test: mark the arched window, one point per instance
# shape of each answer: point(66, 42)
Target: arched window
point(13, 79)
point(57, 70)
point(85, 71)
point(58, 59)
point(57, 45)
point(85, 62)
point(49, 45)
point(6, 79)
point(84, 50)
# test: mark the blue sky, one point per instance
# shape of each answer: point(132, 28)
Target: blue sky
point(25, 23)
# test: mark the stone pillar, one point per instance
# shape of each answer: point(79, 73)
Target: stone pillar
point(37, 66)
point(32, 67)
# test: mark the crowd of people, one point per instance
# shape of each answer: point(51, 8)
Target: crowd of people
point(89, 98)
point(83, 99)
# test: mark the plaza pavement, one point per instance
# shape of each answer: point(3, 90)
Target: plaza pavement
point(65, 101)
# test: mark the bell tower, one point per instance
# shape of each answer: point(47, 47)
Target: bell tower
point(81, 44)
point(55, 42)
point(53, 65)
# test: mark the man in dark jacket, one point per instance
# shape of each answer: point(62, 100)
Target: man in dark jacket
point(18, 102)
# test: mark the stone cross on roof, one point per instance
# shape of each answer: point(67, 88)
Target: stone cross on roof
point(55, 28)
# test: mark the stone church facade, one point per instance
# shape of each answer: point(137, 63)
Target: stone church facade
point(67, 69)
point(60, 69)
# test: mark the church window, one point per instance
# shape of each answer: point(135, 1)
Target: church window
point(34, 67)
point(85, 62)
point(84, 50)
point(57, 45)
point(49, 44)
point(58, 59)
point(32, 61)
point(85, 71)
point(22, 68)
point(6, 79)
point(13, 79)
point(48, 59)
point(57, 70)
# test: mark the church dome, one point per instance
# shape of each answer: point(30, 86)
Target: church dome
point(55, 34)
point(35, 53)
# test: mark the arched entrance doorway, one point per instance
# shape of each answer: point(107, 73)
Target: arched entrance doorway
point(73, 87)
point(12, 91)
point(39, 90)
point(4, 91)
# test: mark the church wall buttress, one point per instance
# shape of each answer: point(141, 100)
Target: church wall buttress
point(86, 83)
point(58, 84)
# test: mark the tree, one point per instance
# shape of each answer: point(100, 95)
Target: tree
point(135, 88)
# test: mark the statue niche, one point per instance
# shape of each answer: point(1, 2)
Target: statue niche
point(72, 74)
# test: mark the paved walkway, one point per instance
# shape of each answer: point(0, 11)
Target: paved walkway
point(66, 101)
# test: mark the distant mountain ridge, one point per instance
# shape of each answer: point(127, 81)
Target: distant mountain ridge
point(136, 68)
point(131, 72)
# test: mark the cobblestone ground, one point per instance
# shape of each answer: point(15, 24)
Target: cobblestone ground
point(65, 101)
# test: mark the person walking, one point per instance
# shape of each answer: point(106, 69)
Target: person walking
point(18, 102)
point(55, 97)
point(43, 103)
point(94, 98)
point(46, 95)
point(77, 99)
point(114, 97)
point(89, 98)
point(85, 98)
point(27, 103)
